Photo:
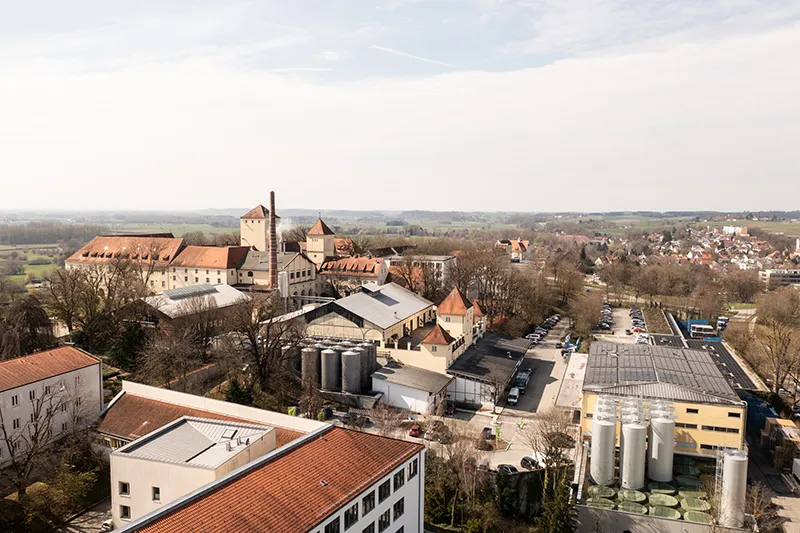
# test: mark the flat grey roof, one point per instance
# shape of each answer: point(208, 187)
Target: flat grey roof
point(384, 305)
point(494, 357)
point(178, 302)
point(413, 377)
point(656, 371)
point(198, 442)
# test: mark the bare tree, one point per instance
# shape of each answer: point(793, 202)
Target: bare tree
point(777, 333)
point(168, 355)
point(202, 320)
point(62, 295)
point(387, 419)
point(26, 442)
point(549, 435)
point(232, 238)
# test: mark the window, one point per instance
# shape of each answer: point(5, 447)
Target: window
point(734, 415)
point(185, 278)
point(196, 279)
point(399, 508)
point(63, 407)
point(291, 275)
point(249, 274)
point(368, 504)
point(48, 390)
point(681, 444)
point(413, 468)
point(383, 521)
point(219, 281)
point(433, 348)
point(173, 270)
point(206, 271)
point(152, 283)
point(686, 426)
point(447, 319)
point(399, 479)
point(124, 488)
point(333, 527)
point(15, 400)
point(15, 425)
point(350, 516)
point(124, 512)
point(369, 529)
point(384, 490)
point(185, 270)
point(174, 278)
point(720, 429)
point(588, 415)
point(692, 411)
point(32, 394)
point(195, 271)
point(163, 284)
point(208, 280)
point(156, 494)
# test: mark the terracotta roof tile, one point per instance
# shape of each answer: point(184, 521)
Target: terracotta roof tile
point(134, 416)
point(258, 211)
point(454, 304)
point(353, 266)
point(438, 335)
point(476, 309)
point(286, 494)
point(211, 256)
point(136, 248)
point(38, 366)
point(320, 228)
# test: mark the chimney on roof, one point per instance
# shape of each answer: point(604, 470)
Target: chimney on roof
point(273, 244)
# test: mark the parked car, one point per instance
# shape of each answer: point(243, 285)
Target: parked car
point(508, 469)
point(528, 463)
point(415, 431)
point(533, 336)
point(639, 330)
point(513, 396)
point(628, 332)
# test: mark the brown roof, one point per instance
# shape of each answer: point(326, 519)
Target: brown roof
point(286, 494)
point(438, 336)
point(211, 256)
point(136, 248)
point(132, 416)
point(258, 211)
point(353, 266)
point(344, 247)
point(476, 309)
point(454, 304)
point(320, 228)
point(38, 366)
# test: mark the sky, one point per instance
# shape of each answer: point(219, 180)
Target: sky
point(482, 105)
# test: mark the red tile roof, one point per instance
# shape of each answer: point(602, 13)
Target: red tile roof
point(134, 416)
point(353, 266)
point(454, 304)
point(38, 366)
point(286, 494)
point(320, 228)
point(258, 211)
point(476, 309)
point(211, 256)
point(135, 248)
point(438, 336)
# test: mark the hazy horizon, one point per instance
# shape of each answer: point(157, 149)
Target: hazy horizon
point(396, 105)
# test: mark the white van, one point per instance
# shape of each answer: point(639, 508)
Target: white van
point(513, 396)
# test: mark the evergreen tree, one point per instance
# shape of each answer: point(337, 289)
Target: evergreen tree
point(559, 514)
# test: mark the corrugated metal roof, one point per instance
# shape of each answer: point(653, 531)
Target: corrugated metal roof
point(384, 305)
point(176, 302)
point(663, 391)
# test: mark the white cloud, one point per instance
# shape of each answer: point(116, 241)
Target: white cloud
point(701, 126)
point(409, 56)
point(330, 55)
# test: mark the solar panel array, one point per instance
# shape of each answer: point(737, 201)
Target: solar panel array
point(189, 292)
point(635, 364)
point(667, 340)
point(725, 362)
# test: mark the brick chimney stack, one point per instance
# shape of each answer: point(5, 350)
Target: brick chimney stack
point(273, 243)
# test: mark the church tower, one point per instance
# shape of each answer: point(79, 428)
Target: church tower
point(320, 243)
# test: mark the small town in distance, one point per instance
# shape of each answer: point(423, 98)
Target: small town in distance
point(308, 377)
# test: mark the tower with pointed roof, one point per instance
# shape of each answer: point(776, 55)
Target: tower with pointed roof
point(320, 242)
point(254, 228)
point(455, 315)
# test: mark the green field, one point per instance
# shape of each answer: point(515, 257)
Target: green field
point(39, 271)
point(786, 227)
point(176, 229)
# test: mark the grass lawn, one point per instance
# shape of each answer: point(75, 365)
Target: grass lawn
point(176, 229)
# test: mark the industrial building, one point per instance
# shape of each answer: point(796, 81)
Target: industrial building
point(709, 415)
point(779, 277)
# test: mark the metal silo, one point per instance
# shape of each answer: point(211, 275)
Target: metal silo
point(734, 489)
point(604, 437)
point(331, 370)
point(310, 369)
point(351, 372)
point(632, 450)
point(661, 449)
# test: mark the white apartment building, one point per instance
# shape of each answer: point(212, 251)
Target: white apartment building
point(440, 264)
point(329, 481)
point(62, 387)
point(779, 277)
point(178, 458)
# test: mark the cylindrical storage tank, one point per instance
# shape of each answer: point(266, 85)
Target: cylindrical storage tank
point(331, 370)
point(363, 368)
point(632, 445)
point(310, 366)
point(734, 491)
point(351, 372)
point(661, 449)
point(372, 350)
point(604, 437)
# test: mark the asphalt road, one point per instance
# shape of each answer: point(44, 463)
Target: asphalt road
point(91, 521)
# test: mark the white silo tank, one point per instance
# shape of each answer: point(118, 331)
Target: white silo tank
point(632, 449)
point(734, 490)
point(661, 449)
point(604, 438)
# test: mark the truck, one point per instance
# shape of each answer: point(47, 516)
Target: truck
point(521, 380)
